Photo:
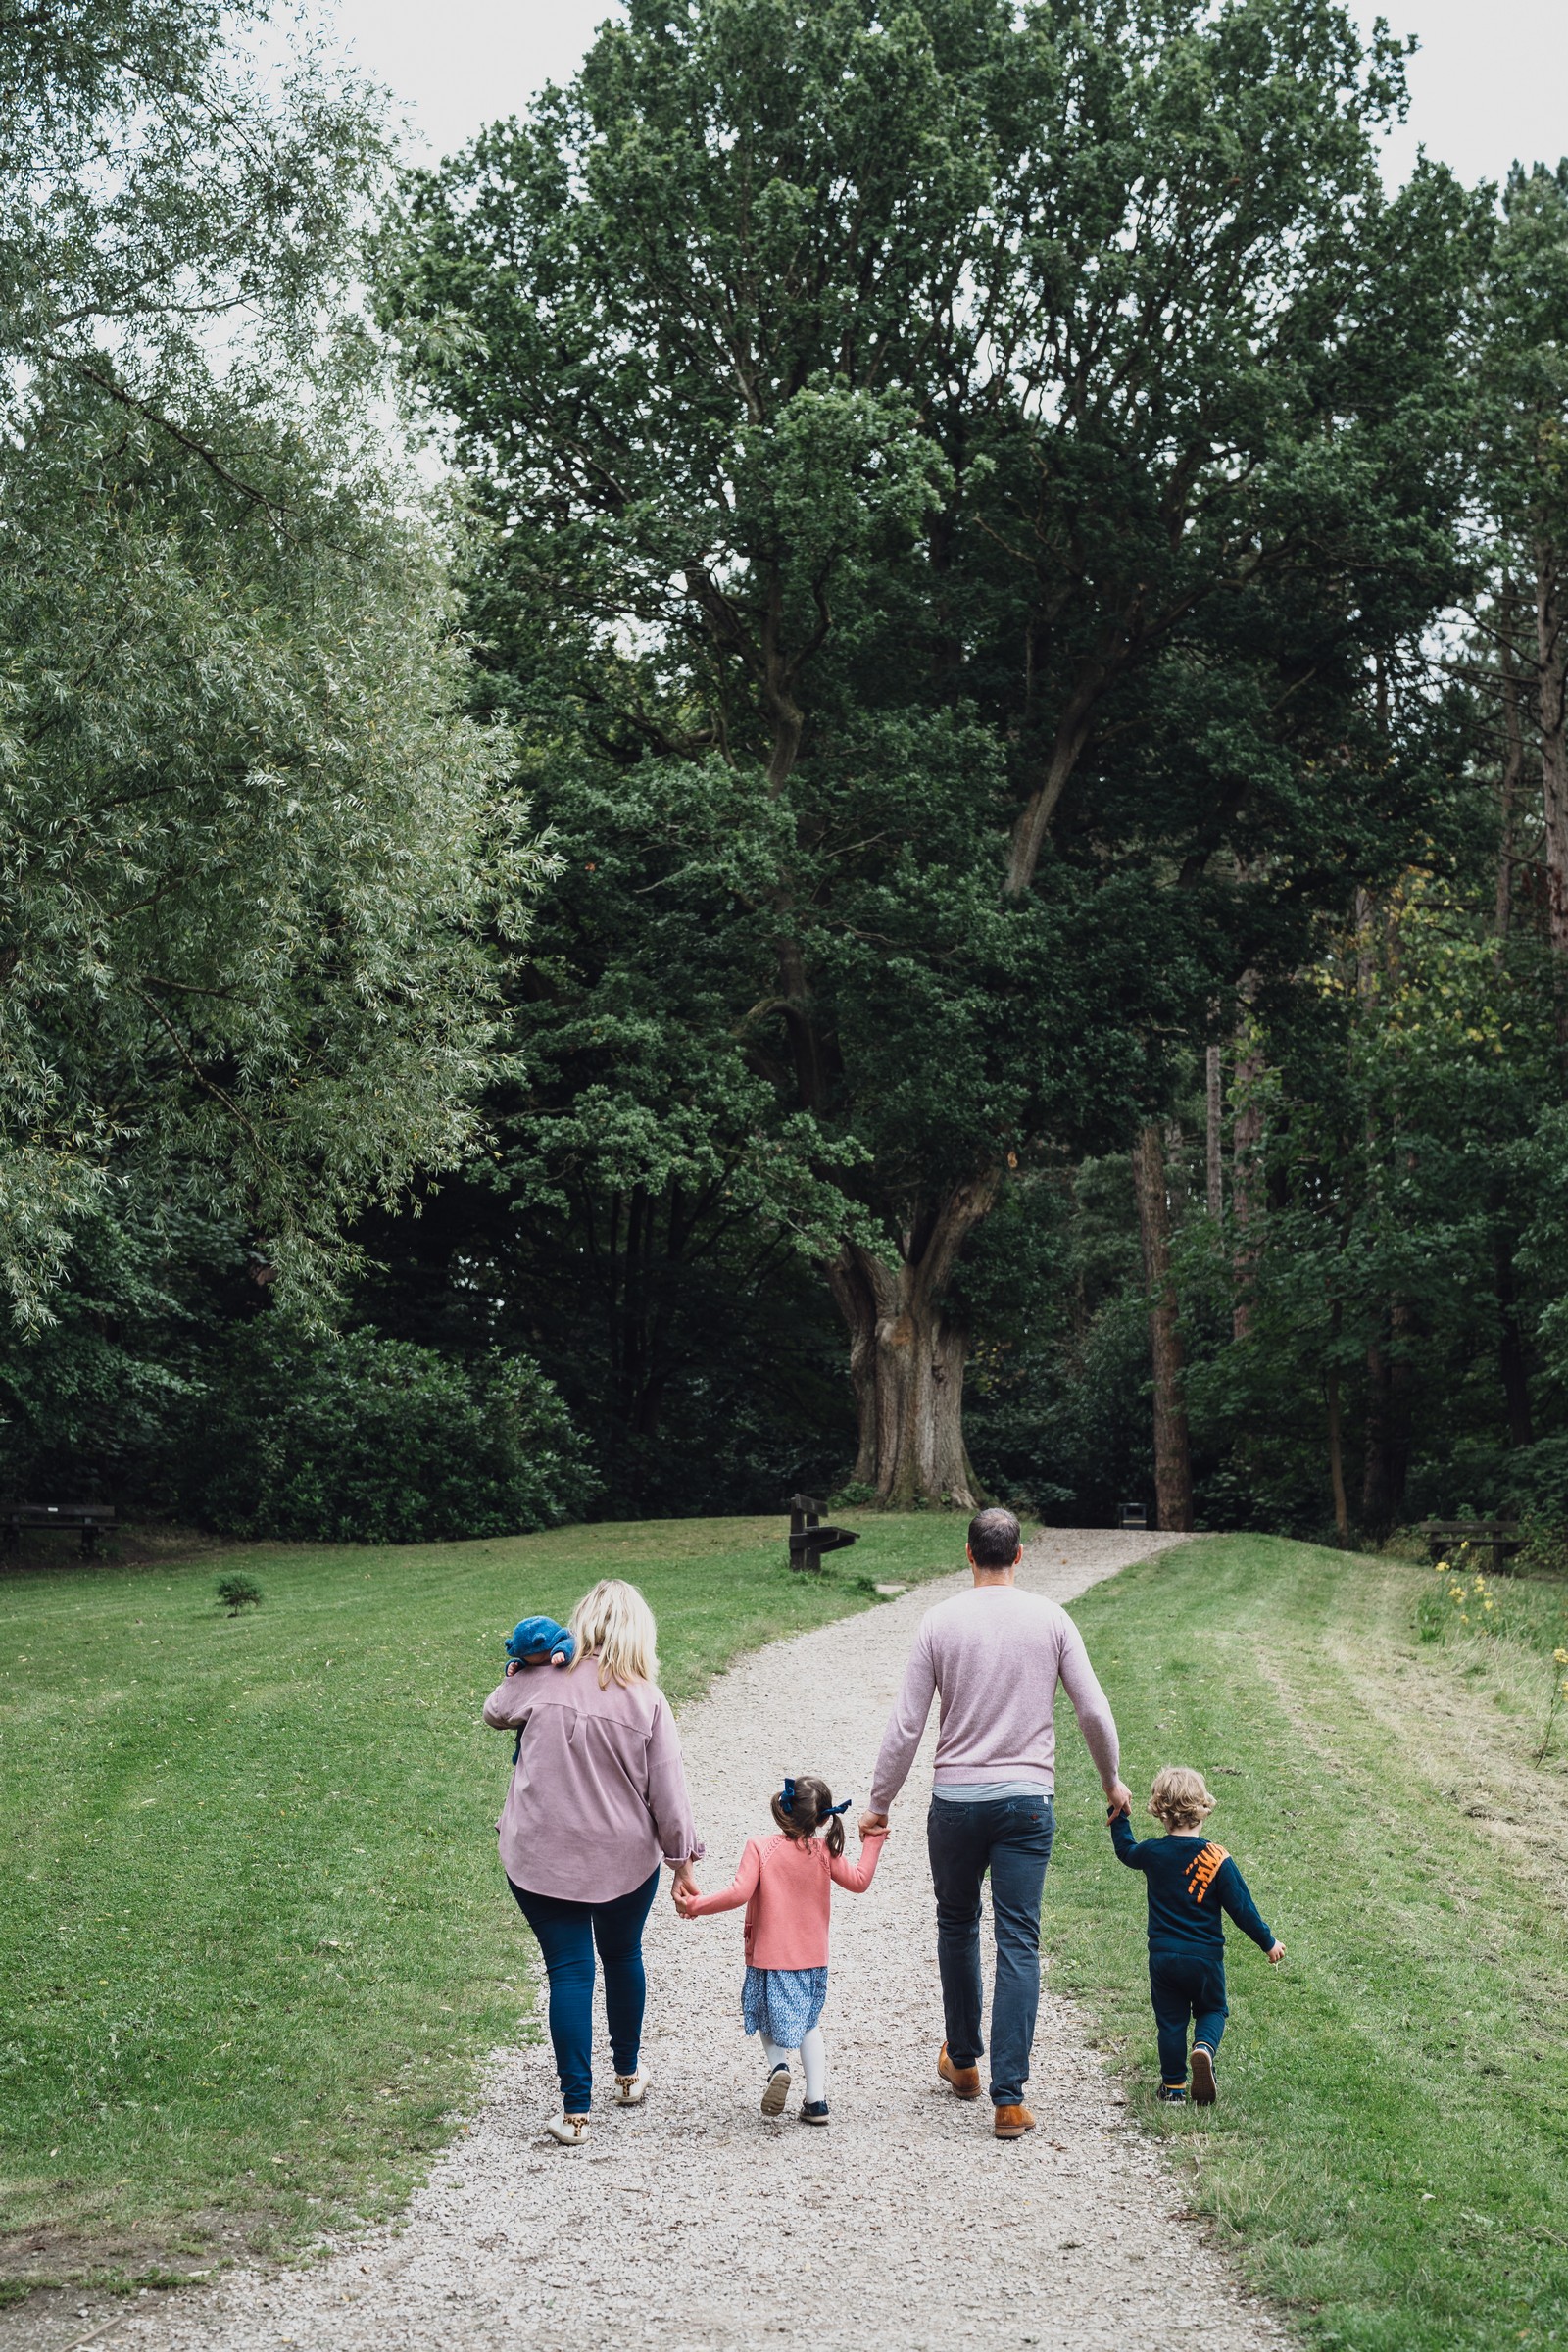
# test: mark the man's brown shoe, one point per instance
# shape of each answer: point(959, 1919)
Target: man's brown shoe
point(966, 2080)
point(1014, 2122)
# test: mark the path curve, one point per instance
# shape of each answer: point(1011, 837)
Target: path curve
point(695, 2225)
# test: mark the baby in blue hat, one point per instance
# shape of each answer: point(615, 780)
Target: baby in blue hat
point(532, 1640)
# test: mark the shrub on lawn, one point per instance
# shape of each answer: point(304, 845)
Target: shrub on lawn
point(347, 1437)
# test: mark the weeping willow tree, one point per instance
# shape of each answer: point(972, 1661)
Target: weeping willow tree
point(248, 841)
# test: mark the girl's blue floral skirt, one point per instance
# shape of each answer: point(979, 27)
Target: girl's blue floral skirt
point(784, 2003)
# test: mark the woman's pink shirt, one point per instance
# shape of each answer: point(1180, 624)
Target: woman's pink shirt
point(598, 1792)
point(787, 1887)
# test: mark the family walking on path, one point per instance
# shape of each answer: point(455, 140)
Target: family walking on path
point(686, 2222)
point(599, 1794)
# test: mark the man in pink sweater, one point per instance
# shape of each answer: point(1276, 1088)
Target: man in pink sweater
point(993, 1656)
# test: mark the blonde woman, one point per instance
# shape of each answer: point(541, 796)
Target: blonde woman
point(598, 1797)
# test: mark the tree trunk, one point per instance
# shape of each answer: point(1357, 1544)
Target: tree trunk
point(1377, 1510)
point(1247, 1185)
point(1551, 685)
point(1388, 1423)
point(1551, 655)
point(1173, 1469)
point(908, 1356)
point(1510, 1344)
point(1214, 1155)
point(1342, 1508)
point(1513, 759)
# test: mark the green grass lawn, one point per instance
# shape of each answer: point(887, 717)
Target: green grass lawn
point(254, 1936)
point(1390, 2155)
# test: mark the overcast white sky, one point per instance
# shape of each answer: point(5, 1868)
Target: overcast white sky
point(1491, 82)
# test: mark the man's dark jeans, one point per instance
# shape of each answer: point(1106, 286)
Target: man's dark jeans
point(1011, 1838)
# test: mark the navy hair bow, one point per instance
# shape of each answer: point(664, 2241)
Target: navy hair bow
point(786, 1802)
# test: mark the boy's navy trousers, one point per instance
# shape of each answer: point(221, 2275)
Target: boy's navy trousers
point(1186, 1986)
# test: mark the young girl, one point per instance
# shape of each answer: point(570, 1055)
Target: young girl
point(786, 1884)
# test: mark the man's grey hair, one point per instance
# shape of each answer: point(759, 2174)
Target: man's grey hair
point(994, 1538)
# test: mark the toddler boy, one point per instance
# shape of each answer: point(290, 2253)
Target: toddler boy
point(1190, 1881)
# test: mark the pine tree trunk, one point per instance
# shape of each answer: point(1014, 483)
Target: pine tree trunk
point(1510, 1344)
point(1377, 1508)
point(1247, 1176)
point(1173, 1469)
point(1513, 759)
point(908, 1355)
point(1214, 1139)
point(1551, 655)
point(1389, 1381)
point(1342, 1506)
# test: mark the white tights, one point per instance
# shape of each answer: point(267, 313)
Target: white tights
point(814, 2061)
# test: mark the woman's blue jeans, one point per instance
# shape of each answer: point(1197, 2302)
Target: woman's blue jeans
point(1011, 1838)
point(567, 1934)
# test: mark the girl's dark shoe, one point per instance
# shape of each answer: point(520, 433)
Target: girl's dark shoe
point(814, 2111)
point(776, 2091)
point(1204, 2090)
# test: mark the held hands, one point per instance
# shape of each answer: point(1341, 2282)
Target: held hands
point(684, 1888)
point(1275, 1953)
point(1119, 1800)
point(870, 1822)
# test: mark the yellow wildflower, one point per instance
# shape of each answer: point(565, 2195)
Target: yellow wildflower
point(1559, 1657)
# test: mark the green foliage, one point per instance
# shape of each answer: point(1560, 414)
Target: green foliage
point(254, 1941)
point(238, 1592)
point(94, 1397)
point(348, 1437)
point(248, 835)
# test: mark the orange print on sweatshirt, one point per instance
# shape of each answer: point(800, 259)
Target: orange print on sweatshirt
point(1203, 1868)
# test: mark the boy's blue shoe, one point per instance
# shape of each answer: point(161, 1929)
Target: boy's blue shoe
point(1204, 2090)
point(1174, 2094)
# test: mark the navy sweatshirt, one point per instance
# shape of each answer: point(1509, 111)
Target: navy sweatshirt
point(1190, 1882)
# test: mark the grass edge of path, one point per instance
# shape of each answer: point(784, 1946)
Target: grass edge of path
point(1384, 2165)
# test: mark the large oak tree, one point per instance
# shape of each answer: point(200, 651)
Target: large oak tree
point(951, 470)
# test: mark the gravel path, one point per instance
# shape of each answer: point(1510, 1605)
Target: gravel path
point(696, 2224)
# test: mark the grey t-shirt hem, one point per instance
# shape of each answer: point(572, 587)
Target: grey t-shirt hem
point(982, 1793)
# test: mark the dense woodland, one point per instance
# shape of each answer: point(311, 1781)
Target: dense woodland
point(938, 864)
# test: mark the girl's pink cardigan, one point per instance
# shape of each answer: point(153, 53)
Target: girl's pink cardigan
point(787, 1887)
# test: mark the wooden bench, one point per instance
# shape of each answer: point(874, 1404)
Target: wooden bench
point(1499, 1536)
point(809, 1539)
point(85, 1517)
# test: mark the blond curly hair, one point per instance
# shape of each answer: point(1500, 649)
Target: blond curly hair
point(1179, 1799)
